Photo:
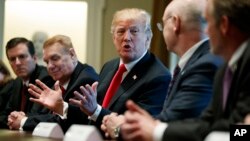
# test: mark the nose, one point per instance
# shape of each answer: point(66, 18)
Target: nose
point(50, 65)
point(17, 61)
point(127, 35)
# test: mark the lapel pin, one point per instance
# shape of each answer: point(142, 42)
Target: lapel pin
point(134, 77)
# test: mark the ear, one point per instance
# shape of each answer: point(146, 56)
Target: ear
point(177, 24)
point(72, 53)
point(224, 25)
point(34, 57)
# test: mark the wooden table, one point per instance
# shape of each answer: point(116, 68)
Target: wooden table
point(9, 135)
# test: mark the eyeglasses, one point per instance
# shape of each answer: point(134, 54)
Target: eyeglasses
point(159, 26)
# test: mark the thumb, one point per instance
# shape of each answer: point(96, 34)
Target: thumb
point(94, 86)
point(134, 107)
point(57, 86)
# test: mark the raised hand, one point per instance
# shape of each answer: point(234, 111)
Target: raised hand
point(52, 99)
point(86, 100)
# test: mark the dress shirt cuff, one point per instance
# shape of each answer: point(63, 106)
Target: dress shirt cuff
point(96, 113)
point(22, 123)
point(159, 131)
point(65, 111)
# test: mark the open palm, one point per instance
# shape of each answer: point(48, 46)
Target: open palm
point(52, 99)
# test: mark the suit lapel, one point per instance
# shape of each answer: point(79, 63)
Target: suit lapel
point(238, 76)
point(204, 48)
point(132, 77)
point(73, 81)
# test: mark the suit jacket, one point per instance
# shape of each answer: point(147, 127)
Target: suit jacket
point(82, 75)
point(215, 118)
point(146, 84)
point(192, 89)
point(14, 103)
point(4, 95)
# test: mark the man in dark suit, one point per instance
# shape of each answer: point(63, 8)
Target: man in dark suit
point(64, 67)
point(145, 79)
point(21, 55)
point(190, 90)
point(229, 32)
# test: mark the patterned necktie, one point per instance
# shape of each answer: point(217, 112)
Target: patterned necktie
point(226, 85)
point(23, 98)
point(175, 74)
point(115, 83)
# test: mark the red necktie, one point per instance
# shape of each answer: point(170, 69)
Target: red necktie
point(114, 85)
point(23, 96)
point(62, 89)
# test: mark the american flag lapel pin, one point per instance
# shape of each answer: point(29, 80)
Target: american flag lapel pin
point(134, 77)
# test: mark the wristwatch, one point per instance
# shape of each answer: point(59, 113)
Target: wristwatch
point(117, 131)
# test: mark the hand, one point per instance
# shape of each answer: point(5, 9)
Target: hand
point(87, 100)
point(52, 99)
point(110, 122)
point(247, 119)
point(139, 125)
point(14, 120)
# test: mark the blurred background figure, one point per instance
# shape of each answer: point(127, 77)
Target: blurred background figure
point(5, 78)
point(38, 39)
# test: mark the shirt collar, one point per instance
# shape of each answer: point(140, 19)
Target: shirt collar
point(65, 85)
point(236, 56)
point(130, 65)
point(187, 55)
point(26, 83)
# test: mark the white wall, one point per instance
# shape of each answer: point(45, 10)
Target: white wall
point(24, 18)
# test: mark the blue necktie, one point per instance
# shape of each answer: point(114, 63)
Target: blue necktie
point(175, 74)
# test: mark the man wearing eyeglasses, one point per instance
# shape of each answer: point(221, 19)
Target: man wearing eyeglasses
point(22, 58)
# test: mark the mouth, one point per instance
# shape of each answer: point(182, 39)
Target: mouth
point(20, 70)
point(126, 46)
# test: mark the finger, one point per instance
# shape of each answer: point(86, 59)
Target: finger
point(33, 93)
point(57, 86)
point(22, 113)
point(106, 134)
point(104, 128)
point(94, 86)
point(135, 108)
point(13, 114)
point(10, 120)
point(78, 96)
point(41, 84)
point(105, 118)
point(35, 88)
point(36, 101)
point(86, 91)
point(129, 131)
point(75, 102)
point(113, 114)
point(131, 117)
